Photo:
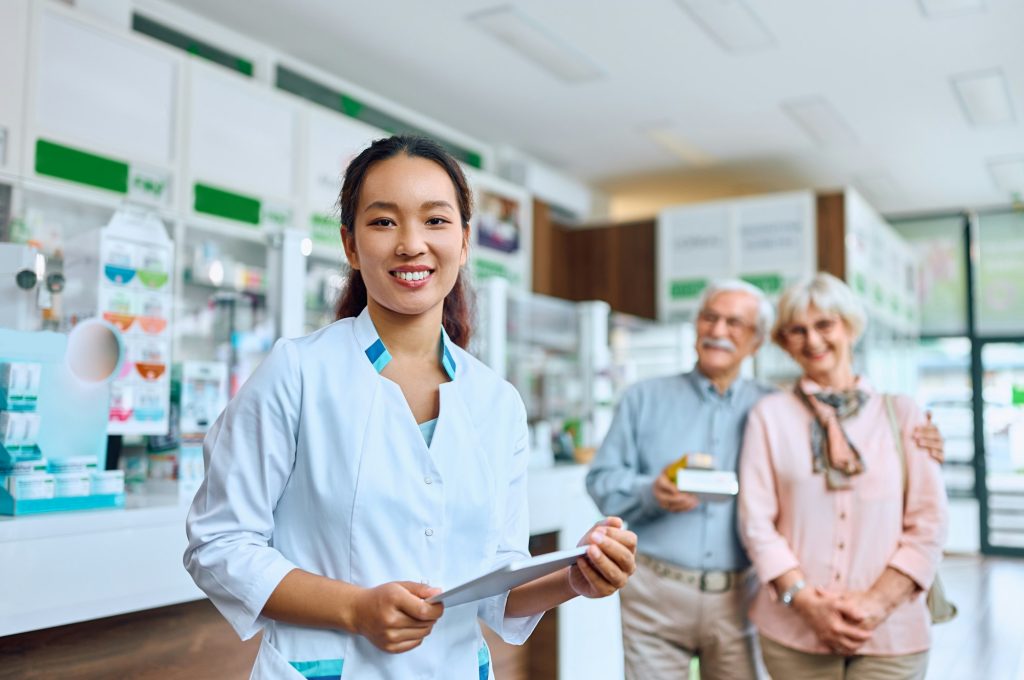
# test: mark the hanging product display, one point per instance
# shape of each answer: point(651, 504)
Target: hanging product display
point(121, 273)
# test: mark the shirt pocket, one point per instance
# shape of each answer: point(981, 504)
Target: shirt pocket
point(270, 665)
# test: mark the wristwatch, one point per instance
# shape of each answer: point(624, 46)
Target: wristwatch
point(787, 597)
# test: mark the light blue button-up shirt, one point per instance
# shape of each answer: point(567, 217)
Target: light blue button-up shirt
point(656, 422)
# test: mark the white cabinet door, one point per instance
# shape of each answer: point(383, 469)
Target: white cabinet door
point(241, 135)
point(332, 142)
point(13, 55)
point(102, 92)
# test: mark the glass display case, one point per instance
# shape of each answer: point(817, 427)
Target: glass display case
point(642, 349)
point(224, 311)
point(325, 271)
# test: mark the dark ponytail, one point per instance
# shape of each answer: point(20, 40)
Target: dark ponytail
point(458, 302)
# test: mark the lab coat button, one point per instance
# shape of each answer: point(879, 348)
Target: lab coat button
point(428, 480)
point(429, 532)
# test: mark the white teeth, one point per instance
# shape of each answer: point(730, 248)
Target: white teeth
point(412, 276)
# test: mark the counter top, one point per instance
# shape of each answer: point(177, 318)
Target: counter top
point(67, 567)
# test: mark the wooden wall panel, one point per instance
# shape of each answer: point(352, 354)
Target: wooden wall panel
point(612, 263)
point(832, 234)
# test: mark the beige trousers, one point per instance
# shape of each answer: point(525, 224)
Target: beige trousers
point(666, 623)
point(791, 664)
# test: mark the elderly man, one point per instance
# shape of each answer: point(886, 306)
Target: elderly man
point(692, 588)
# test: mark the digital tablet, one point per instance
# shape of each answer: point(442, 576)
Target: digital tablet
point(508, 576)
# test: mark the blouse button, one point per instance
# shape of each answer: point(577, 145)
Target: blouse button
point(429, 532)
point(842, 515)
point(841, 545)
point(428, 480)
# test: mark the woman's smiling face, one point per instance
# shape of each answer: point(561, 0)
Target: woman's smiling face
point(408, 240)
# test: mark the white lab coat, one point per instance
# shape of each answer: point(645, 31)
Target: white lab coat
point(318, 464)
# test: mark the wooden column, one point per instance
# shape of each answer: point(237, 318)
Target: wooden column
point(832, 234)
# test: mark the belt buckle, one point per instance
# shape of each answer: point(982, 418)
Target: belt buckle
point(715, 581)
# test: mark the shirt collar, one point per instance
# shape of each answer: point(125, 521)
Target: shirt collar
point(379, 356)
point(706, 389)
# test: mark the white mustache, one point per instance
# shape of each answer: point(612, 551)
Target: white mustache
point(718, 343)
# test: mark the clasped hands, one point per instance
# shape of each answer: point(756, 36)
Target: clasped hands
point(842, 621)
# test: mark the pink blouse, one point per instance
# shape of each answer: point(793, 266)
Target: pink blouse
point(842, 540)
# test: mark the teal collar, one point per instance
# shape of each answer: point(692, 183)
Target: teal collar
point(378, 354)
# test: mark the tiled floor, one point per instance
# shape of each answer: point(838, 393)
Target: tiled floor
point(986, 639)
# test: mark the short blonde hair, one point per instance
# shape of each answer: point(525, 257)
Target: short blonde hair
point(828, 294)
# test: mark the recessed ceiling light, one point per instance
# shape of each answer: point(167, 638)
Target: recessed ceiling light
point(668, 138)
point(820, 121)
point(1008, 173)
point(984, 97)
point(945, 8)
point(535, 42)
point(730, 23)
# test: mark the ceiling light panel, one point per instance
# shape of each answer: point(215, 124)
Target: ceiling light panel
point(985, 97)
point(730, 23)
point(533, 41)
point(1008, 173)
point(820, 121)
point(944, 8)
point(667, 137)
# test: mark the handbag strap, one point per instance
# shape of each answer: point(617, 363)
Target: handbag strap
point(890, 407)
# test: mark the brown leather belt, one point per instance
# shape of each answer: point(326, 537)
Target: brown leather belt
point(706, 581)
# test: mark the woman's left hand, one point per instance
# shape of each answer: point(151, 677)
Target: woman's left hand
point(609, 561)
point(863, 608)
point(929, 438)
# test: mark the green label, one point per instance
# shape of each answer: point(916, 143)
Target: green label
point(325, 229)
point(1018, 395)
point(148, 186)
point(486, 269)
point(75, 165)
point(860, 283)
point(686, 289)
point(277, 215)
point(769, 283)
point(226, 204)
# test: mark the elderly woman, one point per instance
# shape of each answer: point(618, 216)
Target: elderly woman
point(844, 528)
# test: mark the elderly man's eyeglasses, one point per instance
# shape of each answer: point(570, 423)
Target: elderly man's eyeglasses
point(734, 324)
point(796, 331)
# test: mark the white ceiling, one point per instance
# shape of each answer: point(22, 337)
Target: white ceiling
point(883, 66)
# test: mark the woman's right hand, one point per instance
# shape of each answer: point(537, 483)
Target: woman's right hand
point(820, 610)
point(395, 616)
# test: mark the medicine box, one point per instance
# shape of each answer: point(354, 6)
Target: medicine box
point(709, 485)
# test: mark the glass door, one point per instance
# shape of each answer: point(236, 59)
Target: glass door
point(1002, 369)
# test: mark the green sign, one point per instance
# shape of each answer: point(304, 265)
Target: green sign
point(325, 229)
point(485, 269)
point(771, 284)
point(220, 203)
point(686, 289)
point(83, 167)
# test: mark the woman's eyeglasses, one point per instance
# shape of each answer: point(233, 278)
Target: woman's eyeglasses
point(798, 331)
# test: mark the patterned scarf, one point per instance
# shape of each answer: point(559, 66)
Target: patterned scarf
point(834, 453)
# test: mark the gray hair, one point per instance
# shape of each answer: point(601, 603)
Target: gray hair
point(765, 312)
point(828, 294)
